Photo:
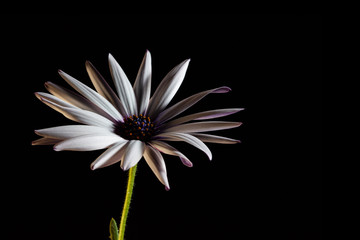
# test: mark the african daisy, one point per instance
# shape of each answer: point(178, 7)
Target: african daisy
point(128, 123)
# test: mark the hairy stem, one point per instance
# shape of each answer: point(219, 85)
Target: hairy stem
point(129, 191)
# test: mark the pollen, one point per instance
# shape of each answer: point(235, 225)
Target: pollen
point(136, 128)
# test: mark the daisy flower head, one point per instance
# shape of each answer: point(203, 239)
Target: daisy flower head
point(130, 123)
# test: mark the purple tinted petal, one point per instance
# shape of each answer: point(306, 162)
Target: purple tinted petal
point(203, 116)
point(173, 136)
point(215, 139)
point(157, 164)
point(181, 106)
point(168, 149)
point(203, 126)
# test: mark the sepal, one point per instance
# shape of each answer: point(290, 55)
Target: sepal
point(114, 232)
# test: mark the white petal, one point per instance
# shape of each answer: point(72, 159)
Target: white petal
point(203, 126)
point(167, 149)
point(215, 139)
point(71, 131)
point(45, 141)
point(186, 103)
point(91, 95)
point(123, 87)
point(88, 142)
point(204, 116)
point(53, 99)
point(103, 88)
point(81, 116)
point(167, 89)
point(133, 154)
point(157, 164)
point(142, 84)
point(75, 99)
point(57, 105)
point(111, 156)
point(172, 136)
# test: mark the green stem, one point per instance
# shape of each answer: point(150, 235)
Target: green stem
point(129, 191)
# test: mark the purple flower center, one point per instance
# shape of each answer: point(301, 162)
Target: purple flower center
point(136, 128)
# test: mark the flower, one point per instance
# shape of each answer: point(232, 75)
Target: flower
point(130, 124)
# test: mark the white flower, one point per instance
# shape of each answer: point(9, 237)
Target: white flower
point(130, 124)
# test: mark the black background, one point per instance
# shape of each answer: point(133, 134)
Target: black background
point(269, 186)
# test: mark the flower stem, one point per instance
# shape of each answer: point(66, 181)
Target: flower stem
point(129, 191)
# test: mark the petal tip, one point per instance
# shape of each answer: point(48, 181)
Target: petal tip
point(124, 168)
point(223, 89)
point(228, 89)
point(167, 188)
point(186, 162)
point(48, 85)
point(87, 64)
point(185, 63)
